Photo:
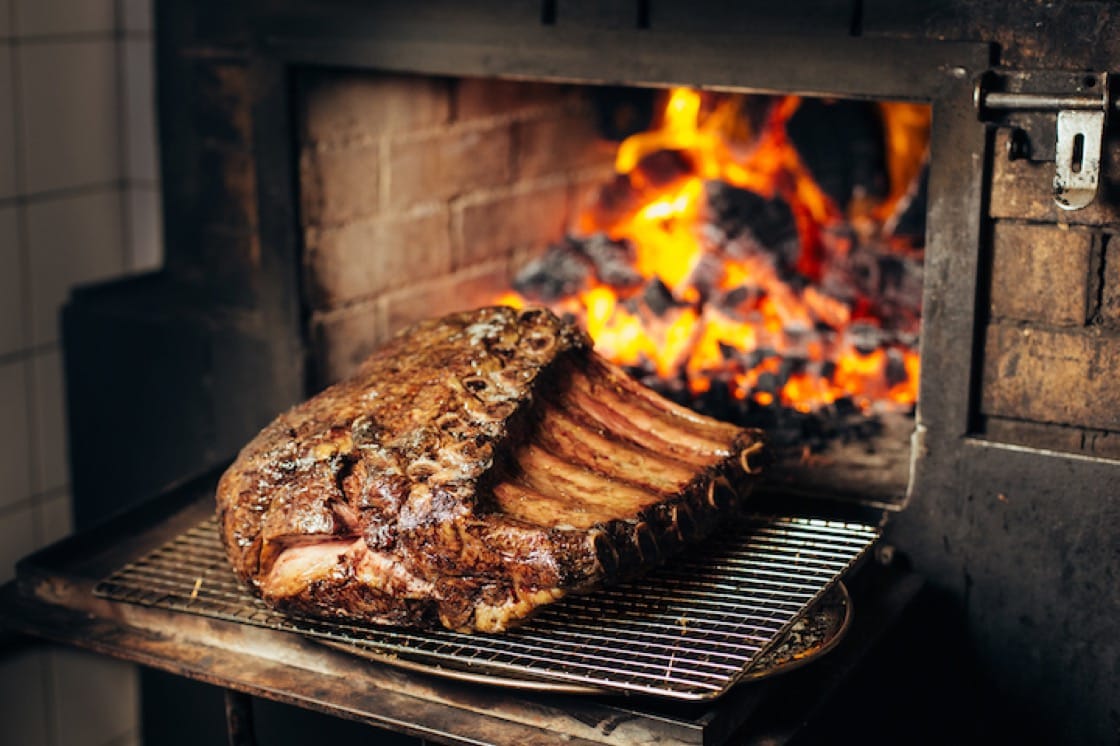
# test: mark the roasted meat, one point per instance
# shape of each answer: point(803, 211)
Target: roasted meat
point(477, 467)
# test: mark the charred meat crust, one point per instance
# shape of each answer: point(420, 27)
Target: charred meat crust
point(477, 467)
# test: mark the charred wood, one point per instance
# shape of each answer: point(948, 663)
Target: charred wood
point(750, 223)
point(560, 272)
point(613, 260)
point(658, 298)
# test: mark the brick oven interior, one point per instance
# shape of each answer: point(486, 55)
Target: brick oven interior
point(458, 181)
point(300, 141)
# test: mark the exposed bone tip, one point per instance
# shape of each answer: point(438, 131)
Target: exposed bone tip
point(721, 495)
point(684, 522)
point(646, 542)
point(745, 457)
point(605, 553)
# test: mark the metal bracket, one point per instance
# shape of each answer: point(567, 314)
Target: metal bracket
point(1077, 164)
point(1081, 118)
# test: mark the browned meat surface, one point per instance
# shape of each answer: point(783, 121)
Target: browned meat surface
point(476, 468)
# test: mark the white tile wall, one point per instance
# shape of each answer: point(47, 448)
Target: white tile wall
point(71, 240)
point(145, 219)
point(56, 519)
point(15, 435)
point(49, 413)
point(131, 738)
point(139, 108)
point(12, 318)
point(136, 15)
point(63, 17)
point(7, 122)
point(17, 537)
point(79, 201)
point(5, 18)
point(69, 113)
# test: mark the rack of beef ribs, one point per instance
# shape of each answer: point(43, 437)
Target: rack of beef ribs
point(477, 467)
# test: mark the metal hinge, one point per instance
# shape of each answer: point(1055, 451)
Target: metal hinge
point(1083, 104)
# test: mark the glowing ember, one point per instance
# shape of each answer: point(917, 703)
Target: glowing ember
point(742, 272)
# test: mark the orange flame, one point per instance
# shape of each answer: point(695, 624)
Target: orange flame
point(709, 140)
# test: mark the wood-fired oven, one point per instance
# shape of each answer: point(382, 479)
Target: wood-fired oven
point(333, 171)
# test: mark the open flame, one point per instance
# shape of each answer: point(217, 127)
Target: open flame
point(766, 327)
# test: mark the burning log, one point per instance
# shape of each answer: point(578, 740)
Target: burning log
point(886, 283)
point(658, 299)
point(748, 222)
point(613, 260)
point(571, 266)
point(738, 302)
point(560, 272)
point(706, 275)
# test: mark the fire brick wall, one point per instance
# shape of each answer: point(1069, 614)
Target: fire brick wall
point(1051, 371)
point(422, 195)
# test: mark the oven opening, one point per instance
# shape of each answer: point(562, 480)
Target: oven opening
point(755, 257)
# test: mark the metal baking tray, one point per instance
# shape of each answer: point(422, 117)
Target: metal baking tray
point(815, 634)
point(689, 630)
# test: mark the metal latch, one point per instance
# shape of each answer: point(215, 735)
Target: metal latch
point(1012, 99)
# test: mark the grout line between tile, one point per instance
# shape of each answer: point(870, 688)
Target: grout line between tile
point(19, 355)
point(36, 499)
point(79, 37)
point(152, 184)
point(125, 738)
point(23, 198)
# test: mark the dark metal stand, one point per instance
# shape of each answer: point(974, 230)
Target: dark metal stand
point(239, 719)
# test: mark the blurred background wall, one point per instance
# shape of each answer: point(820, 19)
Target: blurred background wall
point(79, 201)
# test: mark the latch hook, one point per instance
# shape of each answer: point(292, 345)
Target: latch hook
point(1077, 160)
point(1080, 134)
